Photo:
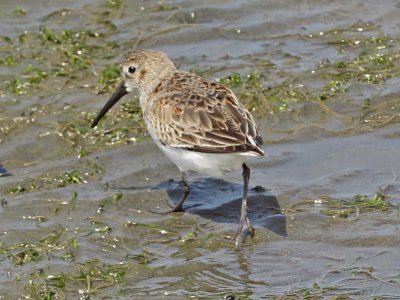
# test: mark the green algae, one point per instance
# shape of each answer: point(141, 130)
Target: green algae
point(20, 11)
point(27, 252)
point(91, 277)
point(72, 52)
point(166, 7)
point(49, 182)
point(110, 75)
point(346, 208)
point(376, 62)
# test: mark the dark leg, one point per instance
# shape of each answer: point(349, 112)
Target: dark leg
point(179, 206)
point(186, 191)
point(244, 219)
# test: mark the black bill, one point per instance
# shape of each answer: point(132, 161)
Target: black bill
point(118, 94)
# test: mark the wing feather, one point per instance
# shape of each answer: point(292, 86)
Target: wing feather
point(202, 116)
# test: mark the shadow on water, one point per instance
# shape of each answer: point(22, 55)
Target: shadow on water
point(220, 201)
point(3, 172)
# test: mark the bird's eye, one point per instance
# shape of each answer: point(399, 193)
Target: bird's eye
point(131, 70)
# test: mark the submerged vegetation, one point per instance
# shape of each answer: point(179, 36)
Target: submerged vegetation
point(48, 182)
point(347, 208)
point(377, 62)
point(72, 56)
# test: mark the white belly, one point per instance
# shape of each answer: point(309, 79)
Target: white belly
point(214, 164)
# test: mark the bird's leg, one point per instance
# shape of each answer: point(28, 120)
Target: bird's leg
point(186, 191)
point(244, 219)
point(179, 206)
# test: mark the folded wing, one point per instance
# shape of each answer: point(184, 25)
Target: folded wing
point(206, 117)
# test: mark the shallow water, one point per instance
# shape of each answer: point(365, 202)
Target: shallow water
point(75, 216)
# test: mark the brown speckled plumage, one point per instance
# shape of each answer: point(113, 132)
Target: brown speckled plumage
point(200, 115)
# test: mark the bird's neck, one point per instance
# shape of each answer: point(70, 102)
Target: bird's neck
point(152, 88)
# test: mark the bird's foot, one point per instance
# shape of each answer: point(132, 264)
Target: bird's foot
point(244, 228)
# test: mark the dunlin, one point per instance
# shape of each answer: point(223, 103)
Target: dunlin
point(198, 123)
